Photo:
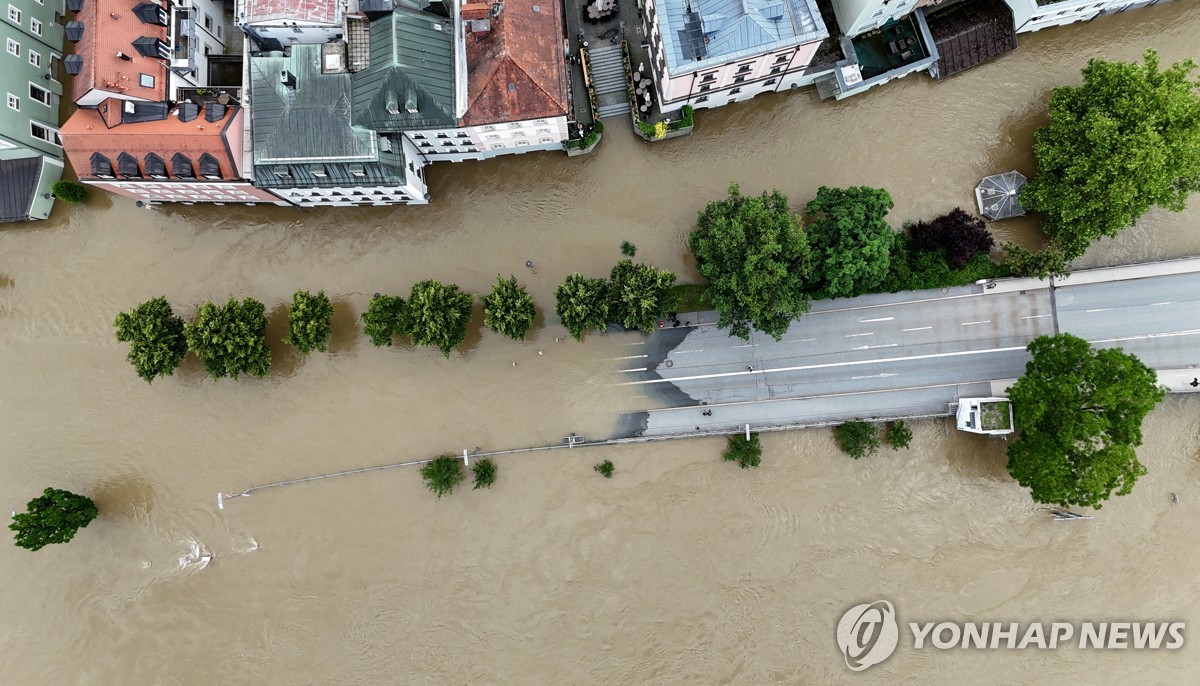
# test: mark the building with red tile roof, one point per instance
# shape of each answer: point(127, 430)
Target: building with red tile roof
point(515, 65)
point(118, 48)
point(149, 153)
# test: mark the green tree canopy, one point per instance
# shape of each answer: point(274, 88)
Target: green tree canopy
point(582, 304)
point(746, 453)
point(232, 339)
point(851, 243)
point(384, 317)
point(485, 473)
point(640, 294)
point(899, 435)
point(52, 517)
point(442, 474)
point(310, 322)
point(69, 191)
point(155, 335)
point(1125, 140)
point(1079, 415)
point(857, 439)
point(437, 314)
point(508, 309)
point(756, 259)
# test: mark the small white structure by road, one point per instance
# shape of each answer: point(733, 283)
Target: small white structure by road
point(989, 416)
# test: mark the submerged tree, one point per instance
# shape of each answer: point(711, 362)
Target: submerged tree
point(756, 259)
point(156, 338)
point(384, 318)
point(582, 304)
point(605, 469)
point(1079, 412)
point(899, 435)
point(1037, 264)
point(857, 439)
point(640, 294)
point(1125, 140)
point(310, 322)
point(437, 314)
point(508, 309)
point(747, 453)
point(52, 517)
point(442, 474)
point(231, 339)
point(851, 243)
point(485, 473)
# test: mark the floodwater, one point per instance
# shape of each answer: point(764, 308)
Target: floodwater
point(681, 569)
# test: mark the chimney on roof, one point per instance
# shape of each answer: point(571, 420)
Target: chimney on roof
point(475, 10)
point(123, 56)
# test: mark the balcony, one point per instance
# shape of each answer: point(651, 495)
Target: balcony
point(183, 48)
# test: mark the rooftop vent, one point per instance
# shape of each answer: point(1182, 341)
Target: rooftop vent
point(392, 106)
point(357, 170)
point(410, 102)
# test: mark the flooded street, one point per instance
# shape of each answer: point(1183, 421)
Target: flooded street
point(681, 569)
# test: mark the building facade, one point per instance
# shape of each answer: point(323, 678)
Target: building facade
point(708, 53)
point(31, 156)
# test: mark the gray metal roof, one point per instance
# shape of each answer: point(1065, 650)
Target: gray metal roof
point(329, 175)
point(699, 34)
point(20, 184)
point(412, 68)
point(308, 121)
point(997, 195)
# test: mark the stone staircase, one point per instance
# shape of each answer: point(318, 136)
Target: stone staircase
point(608, 78)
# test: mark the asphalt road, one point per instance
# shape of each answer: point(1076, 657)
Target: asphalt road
point(907, 354)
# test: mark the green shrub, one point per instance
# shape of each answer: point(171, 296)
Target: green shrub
point(899, 435)
point(857, 439)
point(442, 474)
point(628, 249)
point(689, 297)
point(384, 317)
point(485, 473)
point(605, 468)
point(69, 191)
point(310, 322)
point(746, 453)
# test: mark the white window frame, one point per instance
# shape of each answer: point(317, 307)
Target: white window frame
point(35, 58)
point(14, 102)
point(142, 78)
point(53, 132)
point(35, 26)
point(14, 48)
point(14, 14)
point(49, 96)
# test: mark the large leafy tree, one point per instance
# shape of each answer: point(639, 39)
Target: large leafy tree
point(582, 304)
point(756, 259)
point(384, 317)
point(231, 339)
point(1079, 414)
point(851, 243)
point(443, 473)
point(508, 309)
point(640, 294)
point(310, 322)
point(52, 517)
point(1125, 140)
point(155, 335)
point(437, 314)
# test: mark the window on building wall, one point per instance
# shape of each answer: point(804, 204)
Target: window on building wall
point(735, 91)
point(493, 137)
point(705, 88)
point(14, 48)
point(146, 80)
point(35, 58)
point(297, 29)
point(40, 94)
point(498, 146)
point(739, 79)
point(448, 144)
point(208, 22)
point(35, 26)
point(515, 125)
point(776, 70)
point(878, 13)
point(543, 141)
point(443, 135)
point(780, 59)
point(460, 134)
point(541, 122)
point(543, 131)
point(745, 68)
point(770, 82)
point(14, 103)
point(14, 14)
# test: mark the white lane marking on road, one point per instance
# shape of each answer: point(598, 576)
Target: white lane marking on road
point(984, 321)
point(903, 302)
point(877, 319)
point(871, 376)
point(734, 347)
point(800, 340)
point(920, 328)
point(829, 365)
point(1099, 309)
point(681, 352)
point(884, 345)
point(1035, 316)
point(639, 369)
point(1145, 336)
point(1168, 302)
point(628, 357)
point(852, 335)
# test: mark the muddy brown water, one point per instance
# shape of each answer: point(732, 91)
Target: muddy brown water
point(680, 569)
